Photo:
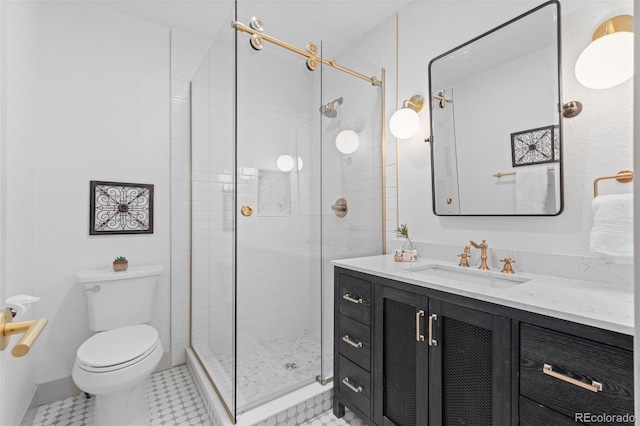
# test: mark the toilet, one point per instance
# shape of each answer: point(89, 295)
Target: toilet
point(114, 363)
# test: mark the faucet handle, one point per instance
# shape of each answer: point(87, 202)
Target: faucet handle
point(507, 265)
point(463, 260)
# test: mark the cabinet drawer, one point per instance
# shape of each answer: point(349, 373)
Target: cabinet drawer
point(534, 414)
point(355, 385)
point(553, 365)
point(355, 299)
point(355, 342)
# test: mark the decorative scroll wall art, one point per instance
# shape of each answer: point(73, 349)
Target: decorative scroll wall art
point(120, 208)
point(535, 146)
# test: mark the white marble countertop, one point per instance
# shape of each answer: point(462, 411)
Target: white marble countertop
point(609, 308)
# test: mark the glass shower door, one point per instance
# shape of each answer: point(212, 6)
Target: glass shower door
point(278, 226)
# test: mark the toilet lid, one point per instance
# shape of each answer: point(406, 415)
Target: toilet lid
point(117, 346)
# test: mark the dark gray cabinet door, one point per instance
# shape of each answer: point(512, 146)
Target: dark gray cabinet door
point(400, 358)
point(469, 367)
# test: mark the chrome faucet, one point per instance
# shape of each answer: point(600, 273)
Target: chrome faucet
point(483, 255)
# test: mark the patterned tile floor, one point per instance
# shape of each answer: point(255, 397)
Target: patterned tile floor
point(328, 419)
point(173, 401)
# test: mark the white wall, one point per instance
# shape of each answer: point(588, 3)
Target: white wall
point(596, 143)
point(102, 86)
point(19, 199)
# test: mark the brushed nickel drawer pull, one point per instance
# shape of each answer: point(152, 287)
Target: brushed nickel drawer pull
point(593, 387)
point(347, 339)
point(432, 341)
point(419, 335)
point(350, 386)
point(351, 298)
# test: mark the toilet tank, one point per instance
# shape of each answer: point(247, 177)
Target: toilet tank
point(119, 299)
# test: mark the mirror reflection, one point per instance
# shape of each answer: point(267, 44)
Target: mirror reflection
point(495, 124)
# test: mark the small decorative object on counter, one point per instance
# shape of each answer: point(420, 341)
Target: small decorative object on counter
point(120, 264)
point(408, 252)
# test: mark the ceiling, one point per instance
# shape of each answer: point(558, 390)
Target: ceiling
point(338, 22)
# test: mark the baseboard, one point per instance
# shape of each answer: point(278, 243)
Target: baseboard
point(55, 390)
point(32, 408)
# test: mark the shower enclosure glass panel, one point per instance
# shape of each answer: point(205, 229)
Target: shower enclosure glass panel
point(213, 214)
point(265, 173)
point(356, 176)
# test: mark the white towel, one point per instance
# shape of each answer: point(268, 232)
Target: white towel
point(532, 190)
point(612, 231)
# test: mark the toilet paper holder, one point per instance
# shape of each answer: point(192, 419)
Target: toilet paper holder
point(31, 330)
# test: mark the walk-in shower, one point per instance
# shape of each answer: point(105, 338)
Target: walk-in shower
point(262, 239)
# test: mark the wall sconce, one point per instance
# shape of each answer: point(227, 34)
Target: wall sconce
point(608, 60)
point(347, 141)
point(405, 122)
point(286, 163)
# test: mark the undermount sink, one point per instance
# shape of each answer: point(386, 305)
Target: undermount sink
point(487, 279)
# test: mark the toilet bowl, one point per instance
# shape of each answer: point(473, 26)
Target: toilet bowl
point(114, 364)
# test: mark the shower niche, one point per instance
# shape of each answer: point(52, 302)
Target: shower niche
point(265, 172)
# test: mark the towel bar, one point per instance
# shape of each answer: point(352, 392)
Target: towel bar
point(499, 174)
point(623, 176)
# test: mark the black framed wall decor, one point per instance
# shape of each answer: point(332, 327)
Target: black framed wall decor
point(120, 208)
point(535, 146)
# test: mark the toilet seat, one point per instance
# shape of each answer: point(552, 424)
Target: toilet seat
point(118, 348)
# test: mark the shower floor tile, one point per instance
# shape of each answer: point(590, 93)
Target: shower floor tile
point(172, 395)
point(267, 368)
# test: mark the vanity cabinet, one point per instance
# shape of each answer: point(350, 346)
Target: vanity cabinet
point(407, 355)
point(434, 362)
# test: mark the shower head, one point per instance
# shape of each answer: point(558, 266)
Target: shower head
point(329, 110)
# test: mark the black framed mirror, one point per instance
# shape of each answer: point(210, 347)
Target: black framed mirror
point(496, 124)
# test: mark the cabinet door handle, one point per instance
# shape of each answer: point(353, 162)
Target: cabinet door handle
point(432, 341)
point(356, 389)
point(419, 335)
point(593, 387)
point(351, 298)
point(347, 339)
